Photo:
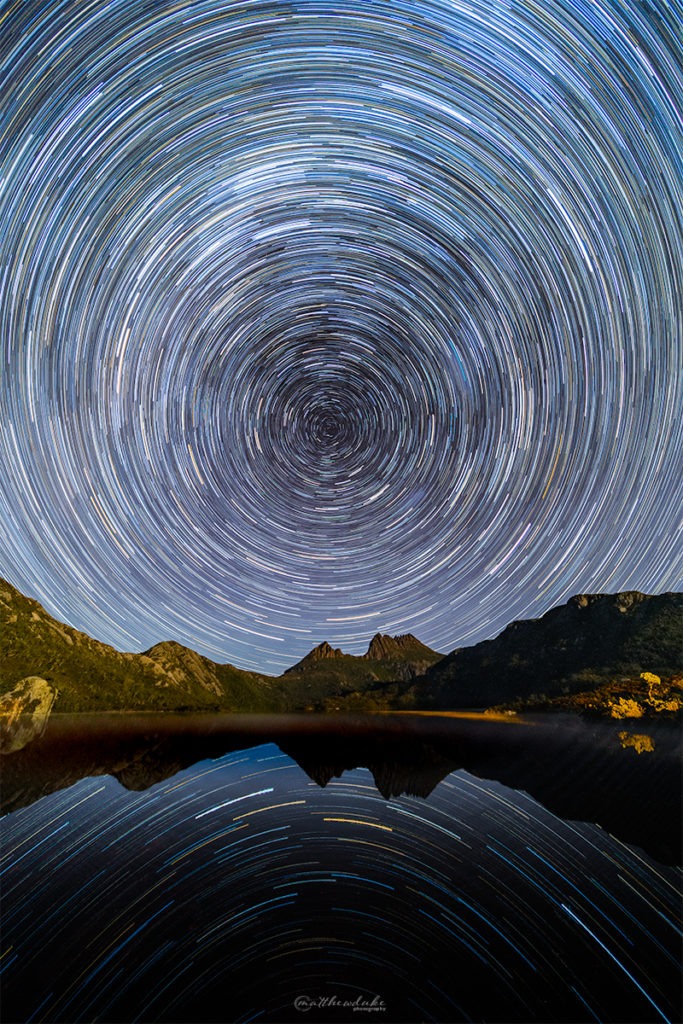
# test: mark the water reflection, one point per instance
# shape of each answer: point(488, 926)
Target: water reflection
point(242, 889)
point(581, 770)
point(641, 742)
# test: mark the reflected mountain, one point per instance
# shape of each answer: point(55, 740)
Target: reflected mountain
point(627, 781)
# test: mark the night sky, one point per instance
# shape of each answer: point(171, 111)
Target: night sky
point(319, 319)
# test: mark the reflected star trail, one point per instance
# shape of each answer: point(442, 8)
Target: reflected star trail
point(239, 886)
point(322, 319)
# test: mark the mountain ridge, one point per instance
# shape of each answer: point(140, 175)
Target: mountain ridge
point(591, 641)
point(384, 646)
point(573, 646)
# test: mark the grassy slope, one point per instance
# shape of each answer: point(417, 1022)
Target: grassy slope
point(93, 676)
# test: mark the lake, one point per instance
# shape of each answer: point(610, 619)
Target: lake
point(343, 868)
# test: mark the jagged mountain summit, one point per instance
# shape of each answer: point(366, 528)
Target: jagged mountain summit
point(323, 652)
point(405, 646)
point(406, 650)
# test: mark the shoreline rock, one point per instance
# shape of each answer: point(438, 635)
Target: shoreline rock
point(24, 712)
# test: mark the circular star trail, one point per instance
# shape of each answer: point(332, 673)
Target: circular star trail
point(319, 319)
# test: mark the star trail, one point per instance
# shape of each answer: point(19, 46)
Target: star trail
point(238, 887)
point(319, 319)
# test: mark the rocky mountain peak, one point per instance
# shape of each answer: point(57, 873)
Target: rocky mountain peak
point(166, 647)
point(384, 646)
point(325, 650)
point(322, 652)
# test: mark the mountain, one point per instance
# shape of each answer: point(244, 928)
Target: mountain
point(406, 649)
point(326, 675)
point(587, 653)
point(88, 675)
point(91, 676)
point(406, 652)
point(591, 642)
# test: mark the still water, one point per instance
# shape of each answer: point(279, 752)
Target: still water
point(398, 868)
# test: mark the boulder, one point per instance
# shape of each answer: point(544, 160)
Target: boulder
point(24, 712)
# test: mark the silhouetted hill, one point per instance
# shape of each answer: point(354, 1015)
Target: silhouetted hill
point(581, 646)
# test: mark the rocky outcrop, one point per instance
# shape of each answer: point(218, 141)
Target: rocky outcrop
point(323, 652)
point(406, 645)
point(181, 665)
point(24, 712)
